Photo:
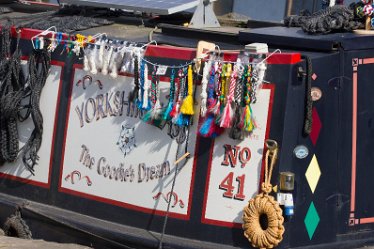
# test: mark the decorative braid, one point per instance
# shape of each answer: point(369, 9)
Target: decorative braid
point(154, 86)
point(142, 82)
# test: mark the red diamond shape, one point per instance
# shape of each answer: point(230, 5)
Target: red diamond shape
point(316, 126)
point(314, 76)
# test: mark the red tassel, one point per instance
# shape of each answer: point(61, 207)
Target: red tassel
point(227, 116)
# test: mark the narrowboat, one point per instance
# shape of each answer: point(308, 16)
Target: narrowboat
point(117, 134)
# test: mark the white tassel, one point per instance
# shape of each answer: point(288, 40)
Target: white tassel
point(101, 54)
point(146, 87)
point(204, 85)
point(332, 3)
point(86, 65)
point(157, 108)
point(139, 64)
point(92, 60)
point(126, 61)
point(261, 69)
point(115, 63)
point(106, 60)
point(41, 42)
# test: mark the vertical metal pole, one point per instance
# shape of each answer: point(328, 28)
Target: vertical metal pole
point(289, 7)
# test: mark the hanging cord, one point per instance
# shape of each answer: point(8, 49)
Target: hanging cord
point(178, 159)
point(272, 154)
point(264, 205)
point(308, 121)
point(38, 77)
point(12, 94)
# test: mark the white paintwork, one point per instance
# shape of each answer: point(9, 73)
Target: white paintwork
point(153, 146)
point(229, 210)
point(48, 107)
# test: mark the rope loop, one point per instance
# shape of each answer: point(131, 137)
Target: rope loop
point(271, 234)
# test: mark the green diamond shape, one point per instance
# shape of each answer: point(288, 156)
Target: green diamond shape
point(311, 220)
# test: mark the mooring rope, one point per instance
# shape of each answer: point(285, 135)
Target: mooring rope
point(37, 79)
point(271, 234)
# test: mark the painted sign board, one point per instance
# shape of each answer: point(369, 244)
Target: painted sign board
point(235, 168)
point(49, 101)
point(111, 155)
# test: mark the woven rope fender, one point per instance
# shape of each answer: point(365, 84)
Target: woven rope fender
point(264, 205)
point(270, 237)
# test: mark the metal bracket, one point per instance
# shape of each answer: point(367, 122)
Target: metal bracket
point(204, 16)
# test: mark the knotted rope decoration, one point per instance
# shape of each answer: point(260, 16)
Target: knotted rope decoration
point(175, 110)
point(264, 204)
point(155, 112)
point(219, 72)
point(247, 122)
point(227, 116)
point(181, 89)
point(204, 85)
point(236, 131)
point(146, 103)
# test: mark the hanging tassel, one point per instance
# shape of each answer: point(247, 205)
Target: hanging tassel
point(206, 126)
point(142, 82)
point(127, 59)
point(227, 116)
point(99, 60)
point(169, 108)
point(146, 103)
point(92, 59)
point(174, 112)
point(152, 114)
point(247, 117)
point(133, 95)
point(182, 92)
point(220, 94)
point(115, 62)
point(156, 109)
point(106, 58)
point(209, 128)
point(236, 131)
point(187, 107)
point(87, 53)
point(204, 84)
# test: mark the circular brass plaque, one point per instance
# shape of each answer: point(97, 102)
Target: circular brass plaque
point(316, 93)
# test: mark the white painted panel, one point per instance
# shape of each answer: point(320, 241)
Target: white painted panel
point(48, 107)
point(234, 180)
point(94, 127)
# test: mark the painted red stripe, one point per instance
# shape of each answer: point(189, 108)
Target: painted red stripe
point(170, 52)
point(189, 54)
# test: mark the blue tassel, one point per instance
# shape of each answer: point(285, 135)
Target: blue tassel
point(183, 120)
point(166, 115)
point(147, 116)
point(206, 126)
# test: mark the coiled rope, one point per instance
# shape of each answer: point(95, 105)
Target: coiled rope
point(308, 121)
point(39, 65)
point(11, 94)
point(264, 206)
point(332, 19)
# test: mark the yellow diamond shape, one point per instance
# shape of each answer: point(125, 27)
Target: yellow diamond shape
point(313, 174)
